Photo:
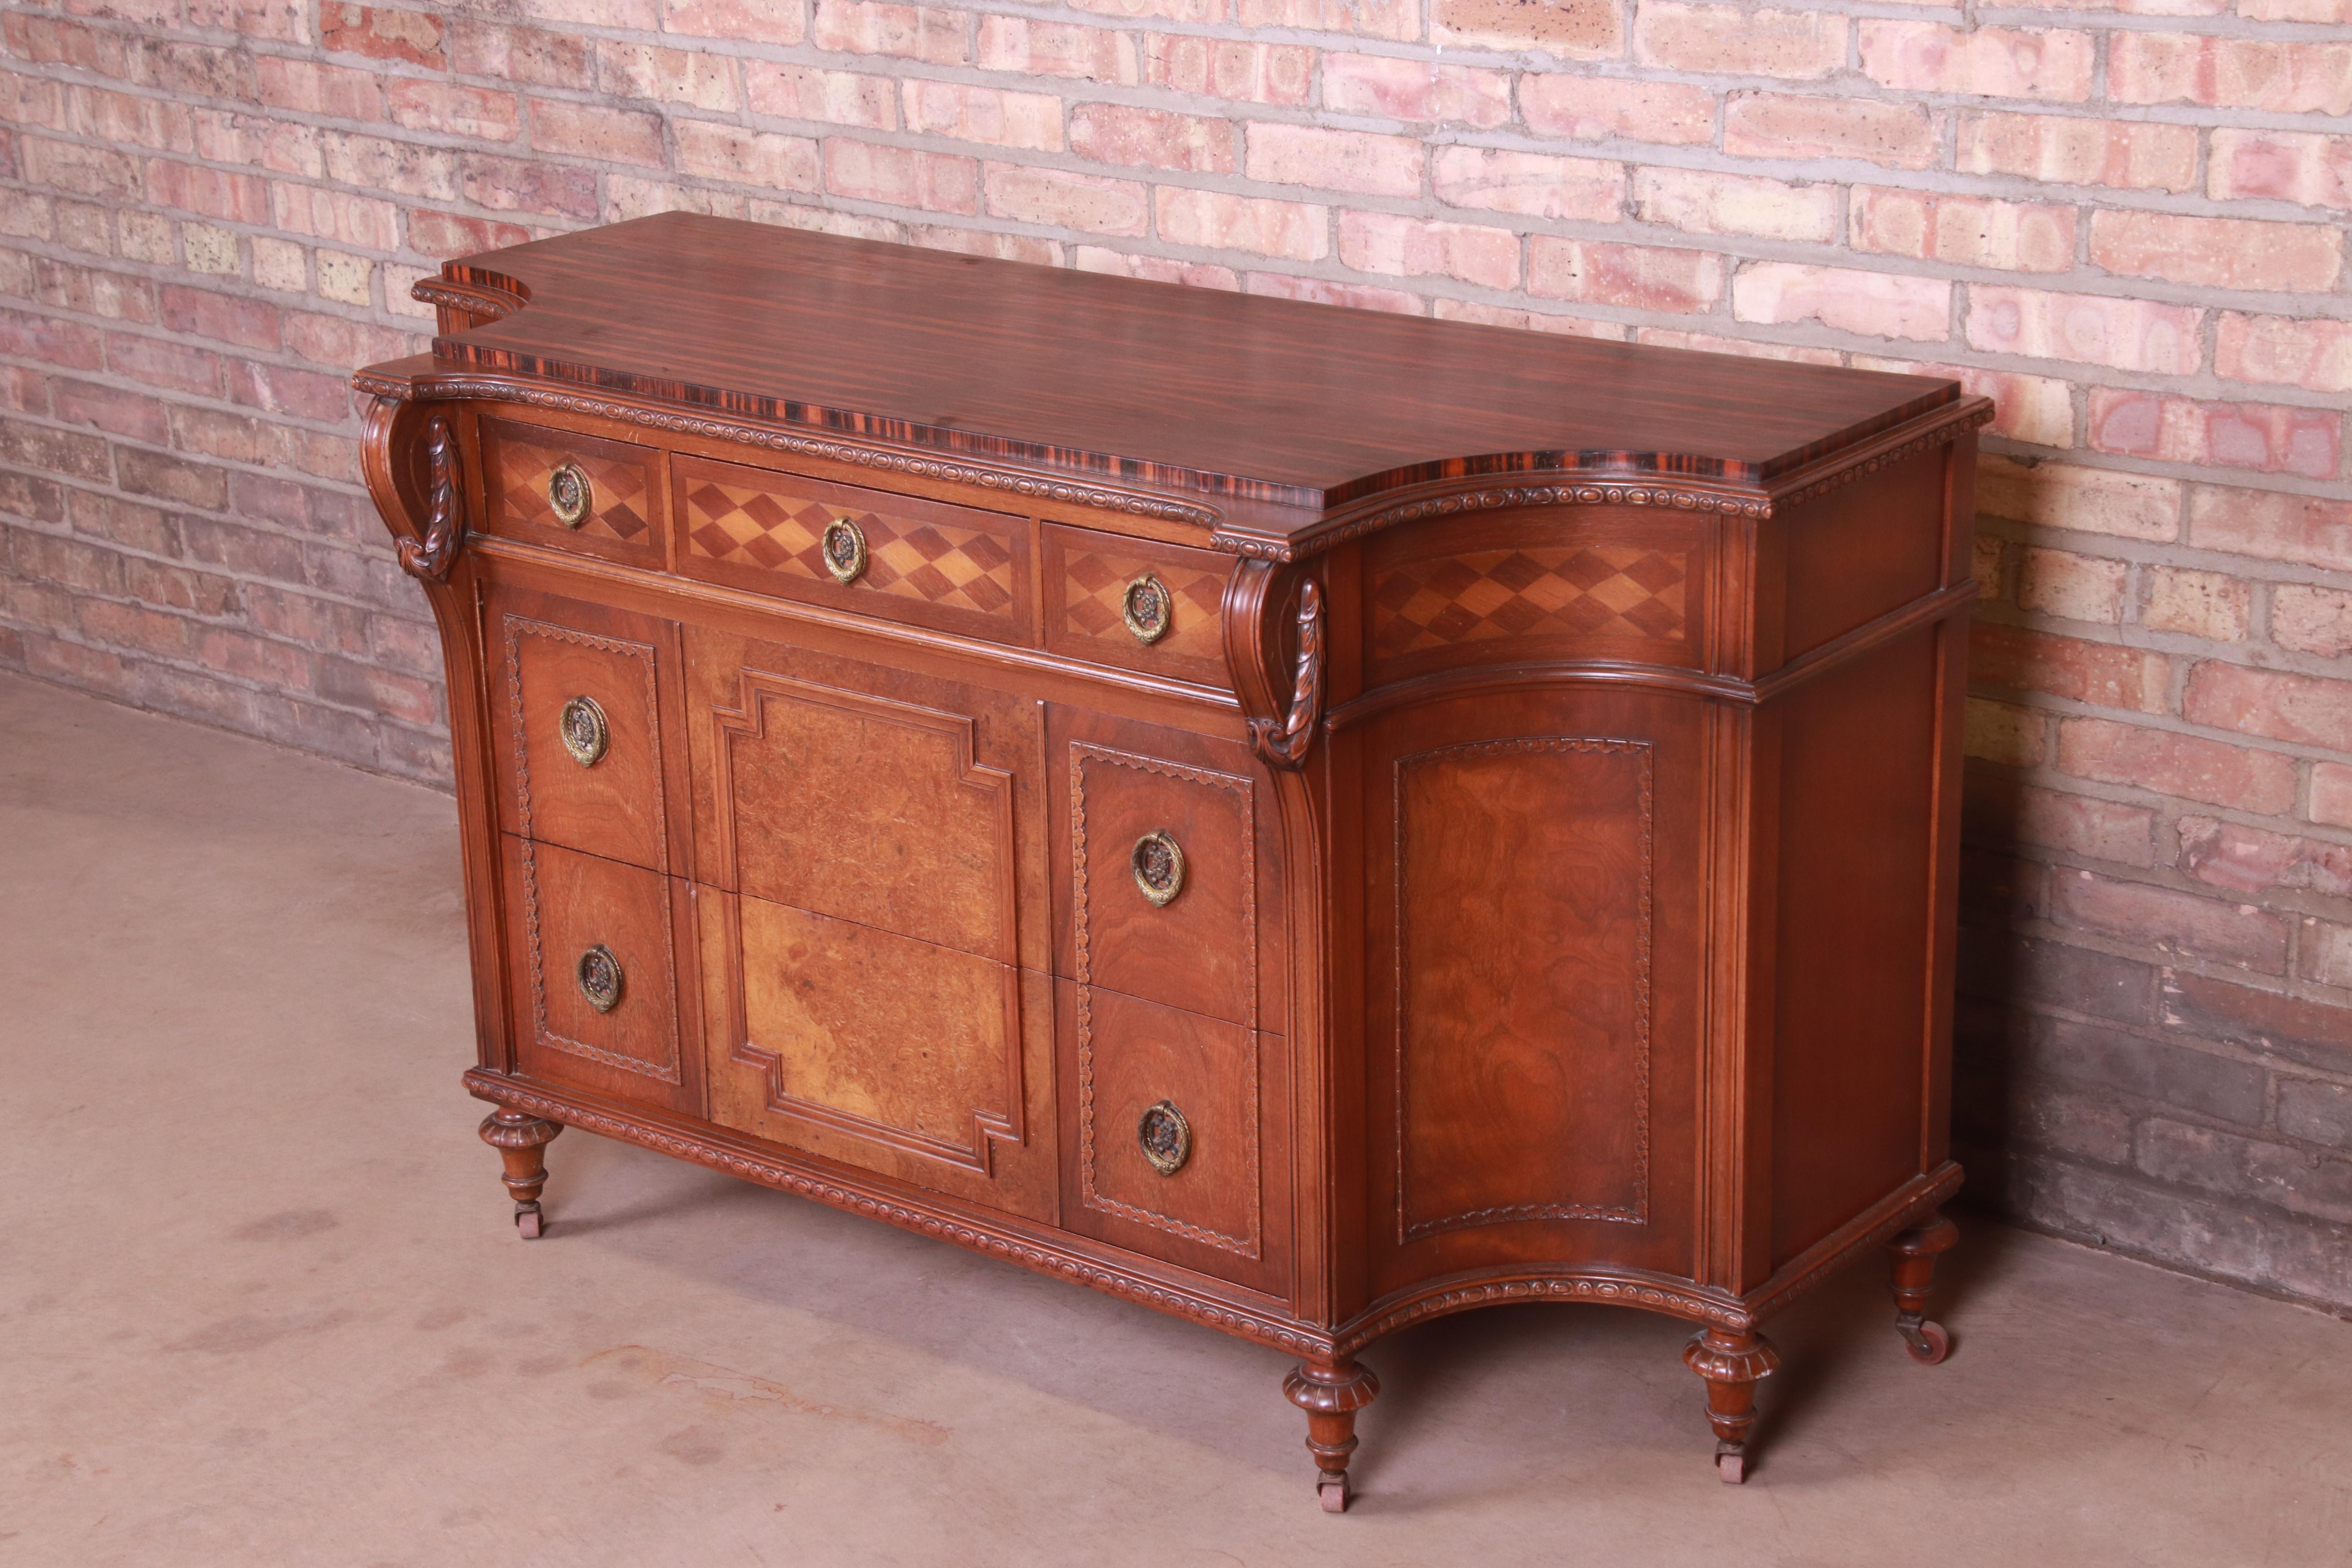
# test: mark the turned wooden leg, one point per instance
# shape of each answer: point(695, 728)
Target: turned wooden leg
point(521, 1141)
point(1732, 1361)
point(1913, 1253)
point(1331, 1392)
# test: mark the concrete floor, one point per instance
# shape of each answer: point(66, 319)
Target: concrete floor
point(264, 1305)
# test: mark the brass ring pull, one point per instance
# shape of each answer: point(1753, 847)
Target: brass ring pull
point(1158, 866)
point(585, 733)
point(1148, 608)
point(844, 544)
point(568, 493)
point(599, 973)
point(1166, 1138)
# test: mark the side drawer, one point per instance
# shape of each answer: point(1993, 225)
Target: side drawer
point(1180, 1148)
point(1136, 603)
point(593, 947)
point(927, 564)
point(580, 493)
point(587, 730)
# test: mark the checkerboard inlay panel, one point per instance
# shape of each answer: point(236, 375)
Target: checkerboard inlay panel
point(935, 562)
point(1624, 590)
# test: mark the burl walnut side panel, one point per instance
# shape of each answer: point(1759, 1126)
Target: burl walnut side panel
point(1304, 819)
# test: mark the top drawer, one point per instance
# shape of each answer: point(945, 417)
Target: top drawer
point(1136, 604)
point(577, 492)
point(951, 568)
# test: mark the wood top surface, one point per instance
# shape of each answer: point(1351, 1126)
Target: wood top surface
point(1271, 399)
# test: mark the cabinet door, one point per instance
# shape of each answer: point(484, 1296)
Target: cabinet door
point(1535, 896)
point(872, 878)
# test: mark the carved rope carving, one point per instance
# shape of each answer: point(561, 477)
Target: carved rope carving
point(807, 445)
point(1082, 753)
point(444, 521)
point(1284, 744)
point(774, 1174)
point(1639, 1212)
point(518, 627)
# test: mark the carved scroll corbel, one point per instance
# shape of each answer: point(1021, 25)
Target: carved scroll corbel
point(1283, 742)
point(444, 523)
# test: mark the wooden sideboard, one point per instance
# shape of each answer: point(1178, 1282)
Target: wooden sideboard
point(1301, 818)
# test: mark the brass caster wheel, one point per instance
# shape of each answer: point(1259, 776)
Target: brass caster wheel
point(528, 1221)
point(1732, 1468)
point(1929, 1342)
point(1333, 1495)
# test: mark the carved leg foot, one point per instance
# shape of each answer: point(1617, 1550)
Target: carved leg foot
point(1331, 1392)
point(1732, 1361)
point(521, 1141)
point(1914, 1253)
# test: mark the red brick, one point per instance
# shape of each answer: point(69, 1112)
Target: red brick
point(285, 21)
point(2312, 620)
point(390, 167)
point(2073, 587)
point(2314, 354)
point(1422, 92)
point(682, 77)
point(1213, 220)
point(1965, 231)
point(23, 390)
point(1334, 159)
point(119, 119)
point(1597, 109)
point(2271, 438)
point(1030, 120)
point(761, 158)
point(161, 364)
point(279, 389)
point(1567, 30)
point(2035, 408)
point(936, 182)
point(2302, 710)
point(1324, 291)
point(339, 215)
point(341, 342)
point(311, 87)
point(2209, 604)
point(2132, 155)
point(2170, 921)
point(449, 233)
point(57, 451)
point(1116, 134)
point(263, 141)
point(595, 131)
point(1058, 48)
point(2331, 793)
point(2281, 1026)
point(1698, 202)
point(1158, 268)
point(1784, 125)
point(519, 184)
point(233, 437)
point(523, 55)
point(1640, 277)
point(2235, 73)
point(1708, 343)
point(2310, 170)
point(2009, 813)
point(2252, 860)
point(1982, 62)
point(906, 32)
point(1223, 68)
point(838, 98)
point(385, 34)
point(248, 323)
point(2001, 732)
point(1395, 19)
point(2217, 253)
point(2102, 674)
point(1053, 196)
point(753, 21)
point(1872, 304)
point(2213, 772)
point(2308, 529)
point(97, 171)
point(1794, 44)
point(112, 410)
point(2126, 334)
point(1415, 248)
point(1580, 189)
point(49, 339)
point(455, 108)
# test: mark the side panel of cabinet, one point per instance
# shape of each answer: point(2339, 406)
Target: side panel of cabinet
point(1535, 905)
point(872, 855)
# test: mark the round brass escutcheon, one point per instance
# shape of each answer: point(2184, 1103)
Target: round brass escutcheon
point(845, 550)
point(585, 733)
point(569, 494)
point(1166, 1138)
point(1158, 866)
point(600, 978)
point(1148, 608)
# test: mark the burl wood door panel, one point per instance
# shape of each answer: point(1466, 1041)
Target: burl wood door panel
point(1177, 1135)
point(867, 836)
point(597, 950)
point(1136, 603)
point(586, 728)
point(1535, 888)
point(580, 493)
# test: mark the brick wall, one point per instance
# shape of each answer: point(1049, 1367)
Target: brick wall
point(2126, 224)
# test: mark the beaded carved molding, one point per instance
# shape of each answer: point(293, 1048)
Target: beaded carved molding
point(1081, 754)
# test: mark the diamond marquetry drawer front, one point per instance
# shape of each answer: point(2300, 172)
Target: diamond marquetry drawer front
point(585, 728)
point(580, 493)
point(1136, 603)
point(951, 568)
